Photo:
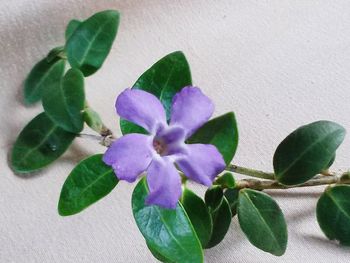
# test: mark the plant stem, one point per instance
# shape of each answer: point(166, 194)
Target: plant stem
point(103, 139)
point(250, 172)
point(268, 184)
point(325, 178)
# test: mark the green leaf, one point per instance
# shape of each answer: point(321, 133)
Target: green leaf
point(221, 218)
point(129, 127)
point(164, 79)
point(307, 151)
point(226, 181)
point(232, 198)
point(90, 181)
point(93, 120)
point(214, 197)
point(199, 215)
point(262, 221)
point(168, 231)
point(40, 143)
point(71, 27)
point(55, 53)
point(63, 101)
point(330, 162)
point(221, 132)
point(333, 213)
point(90, 43)
point(40, 77)
point(157, 255)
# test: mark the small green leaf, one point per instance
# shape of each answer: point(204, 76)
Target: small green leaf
point(221, 132)
point(157, 255)
point(164, 79)
point(226, 181)
point(90, 43)
point(71, 27)
point(199, 215)
point(214, 197)
point(262, 221)
point(41, 76)
point(40, 143)
point(333, 213)
point(63, 101)
point(232, 198)
point(307, 151)
point(90, 181)
point(93, 120)
point(221, 218)
point(168, 231)
point(54, 54)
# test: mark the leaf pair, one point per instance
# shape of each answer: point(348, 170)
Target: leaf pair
point(48, 135)
point(306, 152)
point(87, 46)
point(220, 213)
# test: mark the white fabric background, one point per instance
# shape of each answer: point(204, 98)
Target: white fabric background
point(278, 64)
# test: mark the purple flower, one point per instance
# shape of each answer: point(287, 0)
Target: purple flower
point(158, 152)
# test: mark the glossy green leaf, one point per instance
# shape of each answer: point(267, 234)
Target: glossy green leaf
point(63, 101)
point(90, 181)
point(40, 143)
point(71, 27)
point(232, 198)
point(90, 43)
point(164, 79)
point(262, 221)
point(221, 132)
point(41, 76)
point(226, 181)
point(168, 231)
point(199, 215)
point(221, 218)
point(333, 213)
point(307, 151)
point(55, 53)
point(330, 162)
point(157, 255)
point(214, 197)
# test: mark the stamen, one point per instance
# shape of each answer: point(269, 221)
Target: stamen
point(160, 146)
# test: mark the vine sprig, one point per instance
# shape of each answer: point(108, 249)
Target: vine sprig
point(302, 159)
point(269, 182)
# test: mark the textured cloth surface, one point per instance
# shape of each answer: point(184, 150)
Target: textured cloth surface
point(277, 64)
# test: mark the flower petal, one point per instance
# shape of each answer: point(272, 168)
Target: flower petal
point(141, 108)
point(191, 109)
point(129, 156)
point(164, 183)
point(171, 134)
point(202, 163)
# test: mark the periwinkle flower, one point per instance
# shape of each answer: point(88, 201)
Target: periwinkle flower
point(164, 146)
